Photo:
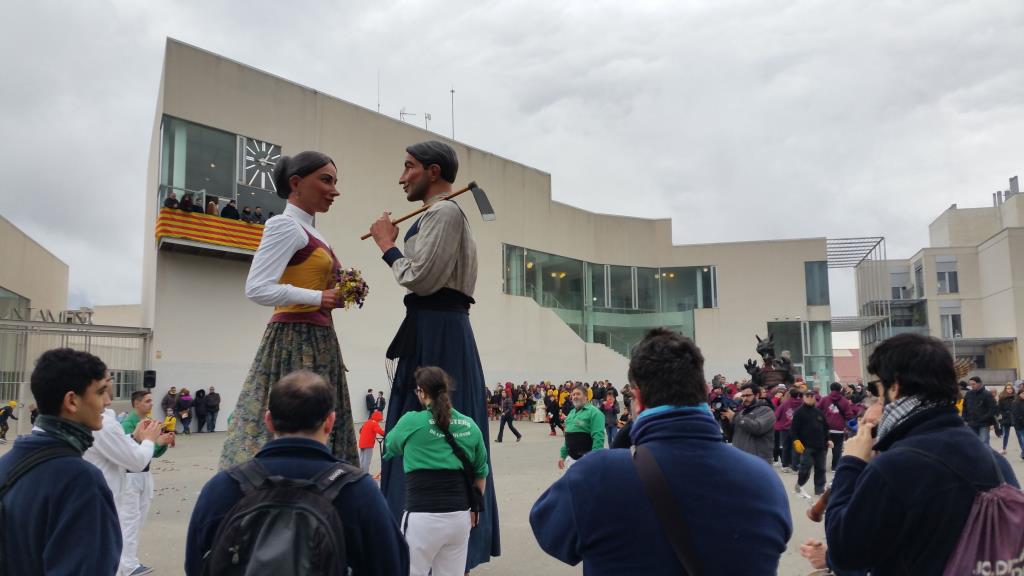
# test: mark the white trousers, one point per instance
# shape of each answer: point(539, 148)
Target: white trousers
point(365, 458)
point(136, 495)
point(438, 542)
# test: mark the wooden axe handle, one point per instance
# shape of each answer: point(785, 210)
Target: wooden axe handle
point(423, 208)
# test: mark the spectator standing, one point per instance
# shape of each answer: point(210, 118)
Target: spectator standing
point(212, 402)
point(230, 210)
point(59, 516)
point(168, 401)
point(898, 504)
point(138, 488)
point(200, 409)
point(979, 409)
point(186, 202)
point(810, 428)
point(610, 409)
point(368, 439)
point(381, 402)
point(675, 428)
point(247, 215)
point(439, 448)
point(183, 409)
point(171, 201)
point(301, 415)
point(1017, 417)
point(838, 411)
point(507, 417)
point(6, 411)
point(211, 208)
point(584, 429)
point(1005, 412)
point(371, 403)
point(753, 424)
point(257, 216)
point(783, 423)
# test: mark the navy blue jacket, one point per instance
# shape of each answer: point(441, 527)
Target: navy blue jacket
point(59, 517)
point(903, 512)
point(620, 533)
point(373, 541)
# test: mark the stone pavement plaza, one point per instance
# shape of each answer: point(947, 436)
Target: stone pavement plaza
point(522, 471)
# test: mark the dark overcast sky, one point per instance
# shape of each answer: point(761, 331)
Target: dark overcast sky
point(741, 120)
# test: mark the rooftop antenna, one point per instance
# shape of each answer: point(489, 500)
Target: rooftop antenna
point(402, 114)
point(453, 111)
point(426, 120)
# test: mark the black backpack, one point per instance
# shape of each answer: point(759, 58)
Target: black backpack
point(282, 525)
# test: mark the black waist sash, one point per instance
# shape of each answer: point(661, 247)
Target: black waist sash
point(577, 444)
point(444, 300)
point(435, 491)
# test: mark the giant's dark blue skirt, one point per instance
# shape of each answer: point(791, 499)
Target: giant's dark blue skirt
point(445, 339)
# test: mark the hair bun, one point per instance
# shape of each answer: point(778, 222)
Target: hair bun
point(281, 177)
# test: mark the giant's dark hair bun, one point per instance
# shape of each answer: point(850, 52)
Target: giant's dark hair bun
point(302, 164)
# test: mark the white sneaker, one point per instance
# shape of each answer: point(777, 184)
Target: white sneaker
point(799, 491)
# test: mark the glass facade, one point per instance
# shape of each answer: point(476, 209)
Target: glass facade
point(810, 348)
point(816, 280)
point(203, 161)
point(609, 304)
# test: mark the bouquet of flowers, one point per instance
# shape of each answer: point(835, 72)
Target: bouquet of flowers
point(352, 286)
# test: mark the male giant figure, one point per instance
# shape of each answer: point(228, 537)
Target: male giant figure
point(438, 268)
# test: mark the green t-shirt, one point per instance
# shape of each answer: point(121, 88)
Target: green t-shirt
point(589, 420)
point(131, 421)
point(422, 445)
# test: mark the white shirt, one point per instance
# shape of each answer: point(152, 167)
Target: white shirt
point(115, 453)
point(283, 236)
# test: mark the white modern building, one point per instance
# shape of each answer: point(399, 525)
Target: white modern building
point(562, 292)
point(966, 287)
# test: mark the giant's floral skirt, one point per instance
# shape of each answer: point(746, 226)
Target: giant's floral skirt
point(287, 347)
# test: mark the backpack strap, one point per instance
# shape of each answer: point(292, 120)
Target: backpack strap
point(666, 508)
point(468, 474)
point(20, 469)
point(251, 476)
point(34, 459)
point(331, 481)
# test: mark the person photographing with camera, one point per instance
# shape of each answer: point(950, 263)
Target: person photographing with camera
point(445, 463)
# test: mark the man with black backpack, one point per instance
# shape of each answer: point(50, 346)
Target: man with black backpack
point(295, 504)
point(57, 514)
point(900, 504)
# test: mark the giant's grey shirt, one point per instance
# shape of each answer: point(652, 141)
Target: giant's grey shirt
point(441, 254)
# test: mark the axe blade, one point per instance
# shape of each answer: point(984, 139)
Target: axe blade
point(482, 203)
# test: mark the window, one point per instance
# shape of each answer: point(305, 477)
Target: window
point(899, 281)
point(950, 319)
point(945, 267)
point(647, 289)
point(620, 280)
point(197, 160)
point(515, 269)
point(598, 275)
point(13, 306)
point(919, 279)
point(816, 280)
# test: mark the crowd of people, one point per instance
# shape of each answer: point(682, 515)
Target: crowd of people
point(184, 407)
point(187, 203)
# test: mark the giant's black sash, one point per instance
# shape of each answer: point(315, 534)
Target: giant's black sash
point(444, 300)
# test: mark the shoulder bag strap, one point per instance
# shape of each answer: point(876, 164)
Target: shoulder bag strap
point(665, 507)
point(467, 467)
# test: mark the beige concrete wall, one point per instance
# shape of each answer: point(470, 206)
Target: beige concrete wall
point(117, 315)
point(31, 271)
point(206, 332)
point(964, 227)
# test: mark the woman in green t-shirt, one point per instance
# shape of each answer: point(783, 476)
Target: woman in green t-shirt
point(438, 498)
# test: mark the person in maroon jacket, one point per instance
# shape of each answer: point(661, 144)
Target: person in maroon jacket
point(838, 411)
point(783, 423)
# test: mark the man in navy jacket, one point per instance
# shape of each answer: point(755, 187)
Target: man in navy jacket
point(739, 527)
point(373, 541)
point(898, 505)
point(59, 518)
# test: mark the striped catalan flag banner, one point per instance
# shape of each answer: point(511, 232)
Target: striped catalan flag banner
point(207, 228)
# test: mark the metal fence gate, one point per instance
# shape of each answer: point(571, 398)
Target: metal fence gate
point(124, 350)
